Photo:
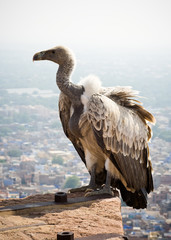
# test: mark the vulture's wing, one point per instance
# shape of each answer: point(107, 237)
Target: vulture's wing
point(124, 96)
point(64, 113)
point(120, 127)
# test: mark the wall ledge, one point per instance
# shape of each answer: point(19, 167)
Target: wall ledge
point(38, 220)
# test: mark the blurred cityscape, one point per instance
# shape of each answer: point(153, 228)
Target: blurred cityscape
point(36, 157)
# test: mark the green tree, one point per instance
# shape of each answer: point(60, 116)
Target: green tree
point(3, 161)
point(72, 182)
point(57, 160)
point(14, 153)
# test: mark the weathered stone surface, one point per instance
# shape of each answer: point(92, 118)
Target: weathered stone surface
point(89, 218)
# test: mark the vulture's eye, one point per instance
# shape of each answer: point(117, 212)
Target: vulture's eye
point(53, 51)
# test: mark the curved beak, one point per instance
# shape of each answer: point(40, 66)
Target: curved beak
point(39, 56)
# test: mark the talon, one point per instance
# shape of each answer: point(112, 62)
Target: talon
point(81, 189)
point(105, 190)
point(89, 190)
point(89, 194)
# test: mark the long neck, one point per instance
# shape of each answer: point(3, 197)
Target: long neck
point(63, 75)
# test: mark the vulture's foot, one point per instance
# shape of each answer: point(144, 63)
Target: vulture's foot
point(81, 189)
point(88, 188)
point(103, 191)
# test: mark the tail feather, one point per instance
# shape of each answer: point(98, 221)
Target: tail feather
point(137, 200)
point(150, 186)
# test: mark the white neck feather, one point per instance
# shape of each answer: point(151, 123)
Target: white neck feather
point(92, 85)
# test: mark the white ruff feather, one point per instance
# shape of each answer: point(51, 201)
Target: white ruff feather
point(92, 85)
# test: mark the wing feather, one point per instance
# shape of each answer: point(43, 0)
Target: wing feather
point(124, 96)
point(123, 129)
point(125, 135)
point(64, 113)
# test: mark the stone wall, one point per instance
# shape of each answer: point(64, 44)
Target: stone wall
point(86, 218)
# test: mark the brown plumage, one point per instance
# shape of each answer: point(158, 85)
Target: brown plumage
point(108, 128)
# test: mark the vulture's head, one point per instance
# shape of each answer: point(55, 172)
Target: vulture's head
point(59, 55)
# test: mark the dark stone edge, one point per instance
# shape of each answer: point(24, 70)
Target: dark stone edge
point(52, 203)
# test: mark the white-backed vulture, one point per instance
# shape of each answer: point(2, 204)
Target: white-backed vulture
point(108, 129)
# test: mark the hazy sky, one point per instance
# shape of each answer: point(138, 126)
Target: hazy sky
point(95, 23)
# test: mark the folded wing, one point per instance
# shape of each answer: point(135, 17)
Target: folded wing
point(64, 113)
point(120, 126)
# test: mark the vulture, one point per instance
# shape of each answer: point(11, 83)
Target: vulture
point(108, 128)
